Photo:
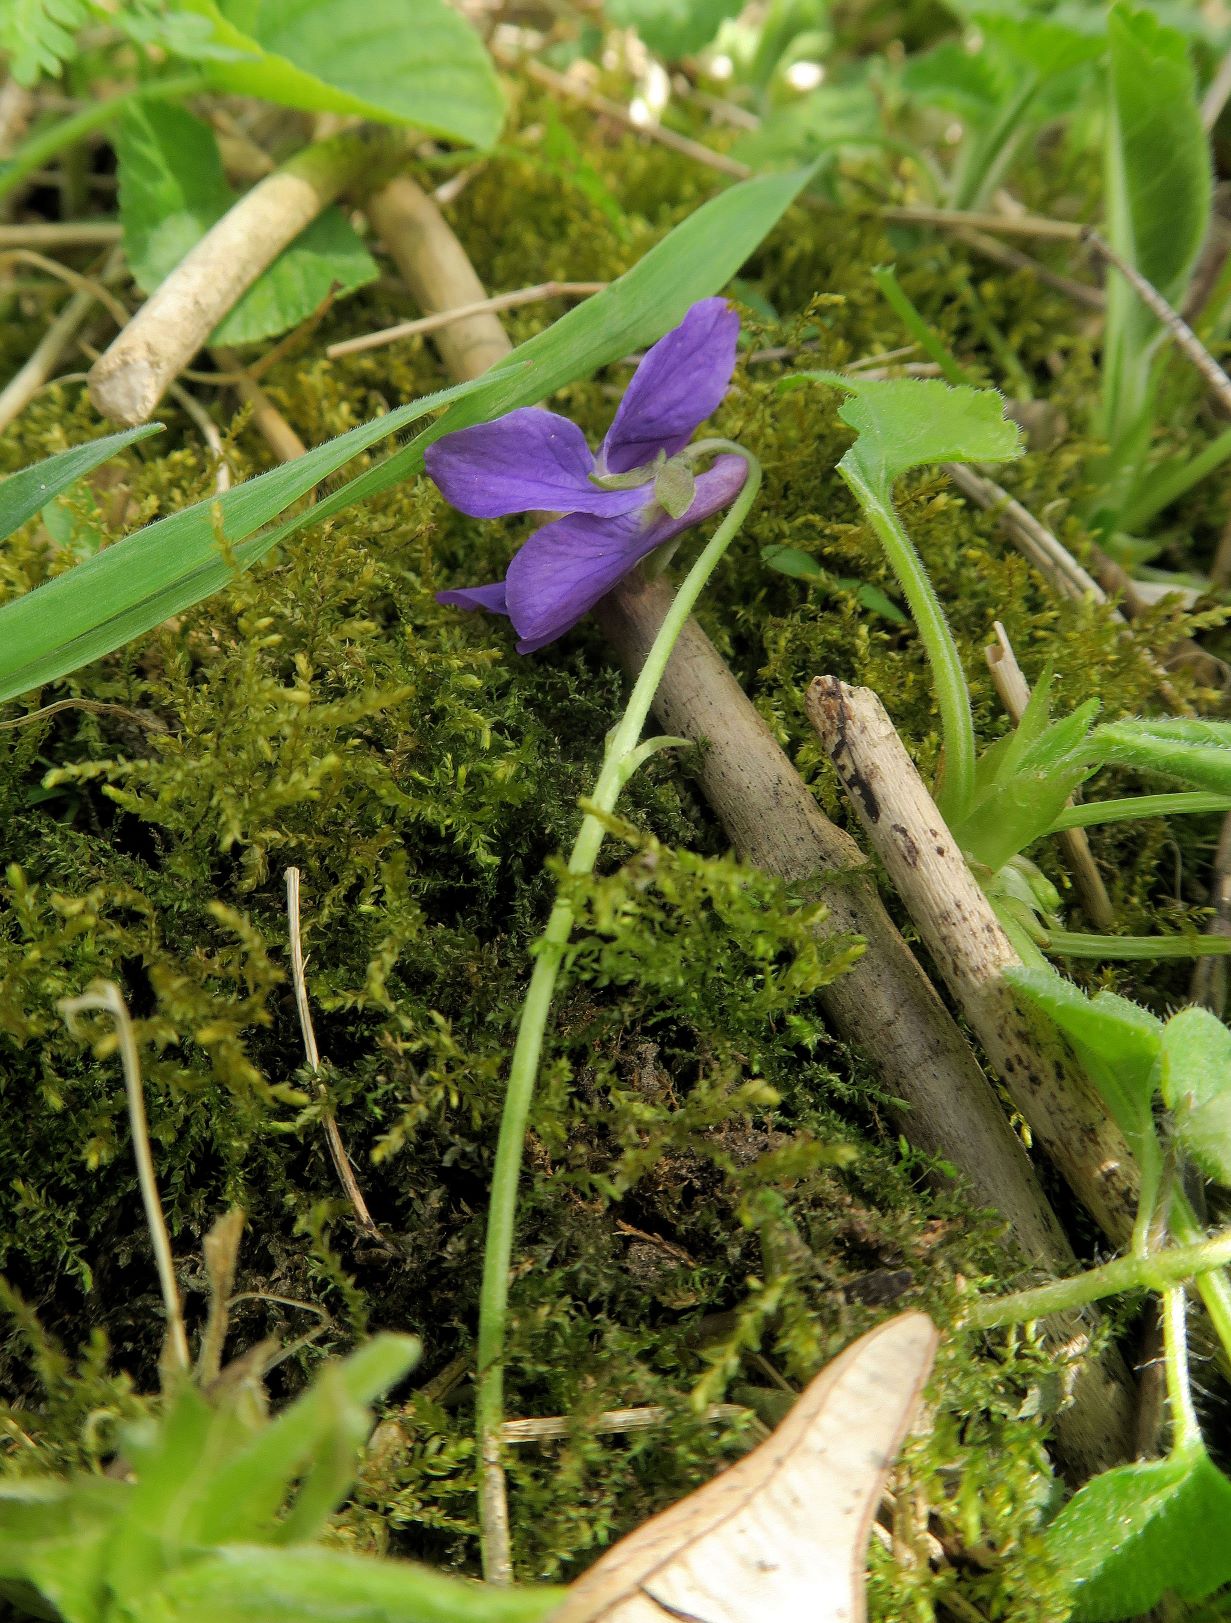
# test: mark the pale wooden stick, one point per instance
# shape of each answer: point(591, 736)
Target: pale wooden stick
point(333, 1138)
point(971, 951)
point(445, 318)
point(653, 1416)
point(438, 272)
point(1014, 693)
point(129, 380)
point(106, 997)
point(278, 434)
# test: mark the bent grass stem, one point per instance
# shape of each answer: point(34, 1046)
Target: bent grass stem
point(506, 1173)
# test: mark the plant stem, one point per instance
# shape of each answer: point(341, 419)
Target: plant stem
point(1185, 1427)
point(900, 302)
point(44, 144)
point(523, 1071)
point(1159, 1271)
point(1214, 1288)
point(956, 789)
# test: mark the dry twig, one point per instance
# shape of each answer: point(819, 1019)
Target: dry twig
point(49, 351)
point(446, 318)
point(971, 951)
point(337, 1150)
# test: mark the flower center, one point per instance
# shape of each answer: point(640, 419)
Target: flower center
point(675, 486)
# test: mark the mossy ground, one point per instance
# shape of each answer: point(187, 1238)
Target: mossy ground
point(711, 1197)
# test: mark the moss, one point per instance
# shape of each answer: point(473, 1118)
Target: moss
point(711, 1196)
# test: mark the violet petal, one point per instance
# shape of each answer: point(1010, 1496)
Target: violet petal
point(564, 568)
point(493, 598)
point(524, 461)
point(680, 382)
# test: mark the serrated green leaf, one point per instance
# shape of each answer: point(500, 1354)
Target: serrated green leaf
point(37, 35)
point(906, 423)
point(1195, 1076)
point(396, 61)
point(172, 190)
point(243, 1496)
point(254, 1584)
point(1117, 1042)
point(1139, 1532)
point(27, 491)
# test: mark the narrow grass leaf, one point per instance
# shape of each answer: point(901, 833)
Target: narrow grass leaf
point(27, 491)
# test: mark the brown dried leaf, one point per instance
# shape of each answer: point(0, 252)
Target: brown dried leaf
point(780, 1537)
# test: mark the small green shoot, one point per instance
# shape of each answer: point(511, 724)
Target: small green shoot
point(903, 424)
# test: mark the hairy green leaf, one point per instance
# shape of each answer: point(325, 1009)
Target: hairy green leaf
point(1196, 1084)
point(1137, 1533)
point(1192, 750)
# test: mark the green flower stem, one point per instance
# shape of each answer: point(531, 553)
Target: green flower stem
point(46, 143)
point(1158, 1272)
point(618, 763)
point(956, 789)
point(1134, 948)
point(1120, 811)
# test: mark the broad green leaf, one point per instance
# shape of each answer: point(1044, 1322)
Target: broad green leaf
point(968, 82)
point(27, 491)
point(1117, 1042)
point(673, 28)
point(254, 1584)
point(1195, 1077)
point(159, 571)
point(1139, 1532)
point(1159, 184)
point(1193, 751)
point(415, 62)
point(172, 190)
point(906, 423)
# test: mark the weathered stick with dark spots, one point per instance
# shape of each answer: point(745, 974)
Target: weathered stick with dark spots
point(971, 951)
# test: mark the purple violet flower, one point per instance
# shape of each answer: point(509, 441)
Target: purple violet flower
point(617, 507)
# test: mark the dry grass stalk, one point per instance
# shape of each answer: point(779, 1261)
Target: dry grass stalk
point(653, 1416)
point(60, 234)
point(127, 383)
point(269, 422)
point(1209, 982)
point(105, 997)
point(446, 318)
point(1014, 692)
point(50, 349)
point(337, 1150)
point(971, 951)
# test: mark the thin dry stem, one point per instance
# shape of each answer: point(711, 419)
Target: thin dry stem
point(49, 351)
point(971, 951)
point(269, 422)
point(175, 322)
point(60, 234)
point(337, 1149)
point(1014, 692)
point(106, 997)
point(209, 433)
point(1001, 253)
point(1185, 338)
point(446, 318)
point(221, 1251)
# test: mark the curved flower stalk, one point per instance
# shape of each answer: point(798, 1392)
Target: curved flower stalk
point(639, 493)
